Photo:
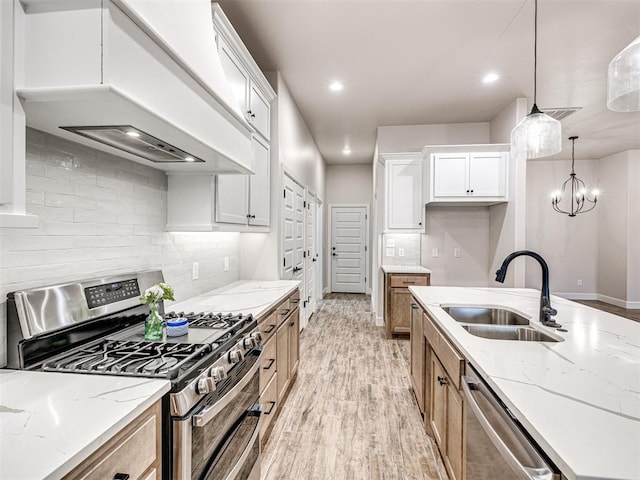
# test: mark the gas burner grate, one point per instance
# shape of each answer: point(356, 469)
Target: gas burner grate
point(130, 358)
point(218, 321)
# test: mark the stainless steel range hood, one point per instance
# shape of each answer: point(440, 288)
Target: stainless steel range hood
point(96, 69)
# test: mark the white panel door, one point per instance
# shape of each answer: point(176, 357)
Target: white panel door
point(310, 259)
point(348, 259)
point(450, 175)
point(487, 173)
point(293, 235)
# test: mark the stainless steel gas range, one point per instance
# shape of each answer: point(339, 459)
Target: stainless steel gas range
point(211, 417)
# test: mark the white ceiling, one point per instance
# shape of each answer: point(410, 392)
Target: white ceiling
point(421, 61)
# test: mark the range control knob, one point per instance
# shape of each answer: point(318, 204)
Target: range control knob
point(249, 342)
point(218, 373)
point(205, 385)
point(257, 336)
point(235, 356)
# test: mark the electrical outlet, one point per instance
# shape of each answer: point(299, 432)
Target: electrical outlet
point(579, 282)
point(401, 252)
point(391, 252)
point(456, 252)
point(434, 252)
point(226, 264)
point(391, 242)
point(195, 271)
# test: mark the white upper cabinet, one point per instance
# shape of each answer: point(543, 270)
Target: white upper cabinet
point(469, 174)
point(251, 90)
point(259, 201)
point(404, 192)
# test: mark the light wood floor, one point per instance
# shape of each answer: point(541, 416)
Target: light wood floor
point(351, 413)
point(607, 307)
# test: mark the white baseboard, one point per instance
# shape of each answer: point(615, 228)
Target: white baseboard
point(379, 321)
point(325, 290)
point(578, 296)
point(618, 302)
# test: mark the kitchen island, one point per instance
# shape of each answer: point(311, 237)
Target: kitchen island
point(578, 398)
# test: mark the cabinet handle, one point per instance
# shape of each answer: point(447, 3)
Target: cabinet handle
point(121, 476)
point(472, 192)
point(442, 380)
point(271, 361)
point(271, 328)
point(251, 114)
point(295, 300)
point(420, 223)
point(413, 305)
point(292, 324)
point(285, 312)
point(268, 412)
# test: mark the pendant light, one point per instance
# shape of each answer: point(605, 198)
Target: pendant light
point(537, 135)
point(575, 189)
point(623, 92)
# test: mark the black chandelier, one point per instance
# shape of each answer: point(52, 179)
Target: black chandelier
point(576, 189)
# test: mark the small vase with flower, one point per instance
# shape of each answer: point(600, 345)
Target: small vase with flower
point(152, 297)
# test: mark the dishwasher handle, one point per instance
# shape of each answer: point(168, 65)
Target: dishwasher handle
point(505, 446)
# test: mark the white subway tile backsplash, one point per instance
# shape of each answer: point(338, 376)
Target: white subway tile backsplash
point(80, 194)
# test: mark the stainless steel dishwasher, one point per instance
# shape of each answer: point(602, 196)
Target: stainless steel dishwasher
point(496, 447)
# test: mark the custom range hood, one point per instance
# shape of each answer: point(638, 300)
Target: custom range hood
point(136, 78)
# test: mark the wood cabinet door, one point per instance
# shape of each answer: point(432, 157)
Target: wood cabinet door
point(454, 436)
point(487, 174)
point(450, 174)
point(438, 410)
point(282, 358)
point(405, 205)
point(417, 355)
point(259, 184)
point(400, 310)
point(293, 323)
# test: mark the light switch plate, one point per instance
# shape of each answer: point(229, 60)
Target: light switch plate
point(391, 242)
point(226, 264)
point(391, 252)
point(434, 252)
point(401, 252)
point(456, 252)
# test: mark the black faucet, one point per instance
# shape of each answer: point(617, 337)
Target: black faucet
point(546, 311)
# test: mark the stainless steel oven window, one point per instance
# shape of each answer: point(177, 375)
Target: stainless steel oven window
point(218, 433)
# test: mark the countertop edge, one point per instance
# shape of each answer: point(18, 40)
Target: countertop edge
point(401, 270)
point(107, 435)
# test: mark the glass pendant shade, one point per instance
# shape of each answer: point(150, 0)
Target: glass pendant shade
point(537, 135)
point(623, 92)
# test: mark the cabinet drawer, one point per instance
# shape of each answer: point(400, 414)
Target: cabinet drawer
point(452, 361)
point(267, 362)
point(131, 452)
point(294, 299)
point(269, 402)
point(283, 310)
point(408, 280)
point(268, 325)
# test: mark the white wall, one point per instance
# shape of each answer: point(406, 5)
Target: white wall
point(100, 214)
point(349, 184)
point(568, 244)
point(466, 228)
point(633, 230)
point(293, 149)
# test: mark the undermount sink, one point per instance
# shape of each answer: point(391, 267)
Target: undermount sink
point(509, 332)
point(485, 315)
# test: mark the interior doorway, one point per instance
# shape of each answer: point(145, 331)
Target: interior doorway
point(348, 248)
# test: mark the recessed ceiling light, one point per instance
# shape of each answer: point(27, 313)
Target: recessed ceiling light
point(336, 86)
point(189, 159)
point(133, 133)
point(490, 77)
point(346, 151)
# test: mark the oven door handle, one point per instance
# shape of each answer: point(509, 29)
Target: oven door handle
point(542, 472)
point(233, 474)
point(201, 419)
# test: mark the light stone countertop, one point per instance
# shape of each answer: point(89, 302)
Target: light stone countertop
point(399, 269)
point(51, 422)
point(244, 296)
point(579, 398)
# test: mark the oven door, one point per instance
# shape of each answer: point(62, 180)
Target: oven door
point(221, 440)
